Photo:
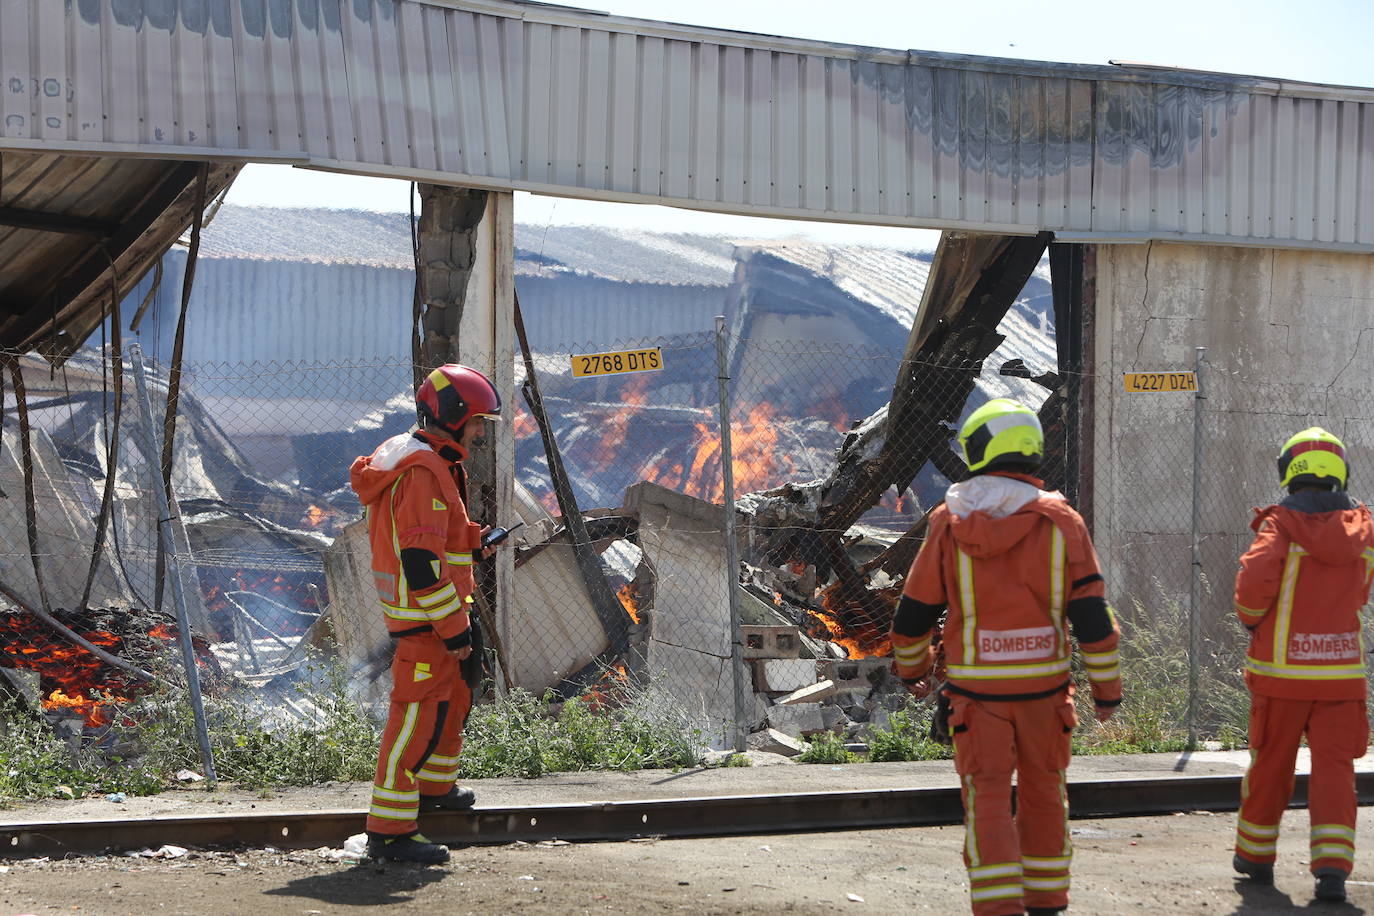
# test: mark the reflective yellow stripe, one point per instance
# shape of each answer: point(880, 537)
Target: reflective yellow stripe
point(1259, 849)
point(439, 613)
point(910, 655)
point(1047, 884)
point(405, 613)
point(393, 795)
point(1333, 852)
point(1285, 605)
point(997, 892)
point(436, 758)
point(1305, 672)
point(989, 672)
point(1332, 830)
point(393, 761)
point(1044, 864)
point(1005, 870)
point(1257, 830)
point(1102, 659)
point(970, 822)
point(1057, 584)
point(438, 596)
point(968, 604)
point(402, 588)
point(459, 559)
point(394, 814)
point(1251, 612)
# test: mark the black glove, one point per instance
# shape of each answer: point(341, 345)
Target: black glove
point(939, 723)
point(471, 667)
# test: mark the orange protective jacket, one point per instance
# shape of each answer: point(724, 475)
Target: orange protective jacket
point(414, 502)
point(1015, 566)
point(1299, 591)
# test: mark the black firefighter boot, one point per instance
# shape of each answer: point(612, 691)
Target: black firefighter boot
point(1258, 872)
point(456, 799)
point(1330, 884)
point(413, 848)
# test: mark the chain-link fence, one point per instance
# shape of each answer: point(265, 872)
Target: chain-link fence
point(619, 578)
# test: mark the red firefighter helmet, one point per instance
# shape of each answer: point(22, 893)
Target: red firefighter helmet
point(453, 394)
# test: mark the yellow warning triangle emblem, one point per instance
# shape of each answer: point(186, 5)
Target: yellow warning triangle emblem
point(422, 672)
point(439, 506)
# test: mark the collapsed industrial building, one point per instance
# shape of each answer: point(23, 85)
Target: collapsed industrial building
point(279, 568)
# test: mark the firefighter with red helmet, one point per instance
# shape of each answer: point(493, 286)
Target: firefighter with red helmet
point(1299, 592)
point(1016, 569)
point(413, 488)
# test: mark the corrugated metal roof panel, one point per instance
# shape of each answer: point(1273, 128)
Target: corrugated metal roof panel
point(509, 95)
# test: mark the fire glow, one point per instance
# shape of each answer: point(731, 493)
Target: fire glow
point(85, 685)
point(629, 600)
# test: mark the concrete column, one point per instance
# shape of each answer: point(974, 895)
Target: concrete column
point(467, 287)
point(449, 221)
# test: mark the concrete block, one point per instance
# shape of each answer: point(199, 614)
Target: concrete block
point(834, 719)
point(771, 641)
point(812, 694)
point(855, 673)
point(771, 741)
point(800, 719)
point(783, 675)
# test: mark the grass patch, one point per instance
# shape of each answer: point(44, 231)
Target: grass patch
point(517, 736)
point(827, 747)
point(907, 736)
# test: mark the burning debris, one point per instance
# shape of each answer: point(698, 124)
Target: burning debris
point(73, 682)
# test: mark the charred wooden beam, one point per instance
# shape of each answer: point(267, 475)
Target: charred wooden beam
point(604, 602)
point(73, 303)
point(37, 220)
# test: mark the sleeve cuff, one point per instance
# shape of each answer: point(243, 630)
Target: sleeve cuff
point(459, 640)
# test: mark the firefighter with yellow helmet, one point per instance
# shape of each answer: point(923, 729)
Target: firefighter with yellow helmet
point(1299, 592)
point(1015, 567)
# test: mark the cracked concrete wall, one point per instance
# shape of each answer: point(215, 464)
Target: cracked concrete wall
point(1290, 344)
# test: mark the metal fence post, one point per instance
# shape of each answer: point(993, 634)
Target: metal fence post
point(731, 546)
point(164, 521)
point(1195, 578)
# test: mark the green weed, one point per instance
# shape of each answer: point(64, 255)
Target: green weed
point(827, 747)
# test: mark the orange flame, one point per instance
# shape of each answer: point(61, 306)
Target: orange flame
point(627, 595)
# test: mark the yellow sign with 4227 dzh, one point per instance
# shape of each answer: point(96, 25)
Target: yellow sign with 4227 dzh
point(1161, 381)
point(622, 361)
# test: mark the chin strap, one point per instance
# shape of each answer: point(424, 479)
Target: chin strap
point(447, 449)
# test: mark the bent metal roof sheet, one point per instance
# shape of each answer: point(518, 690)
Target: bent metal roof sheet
point(512, 95)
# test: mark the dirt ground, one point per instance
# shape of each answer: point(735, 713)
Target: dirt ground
point(1174, 864)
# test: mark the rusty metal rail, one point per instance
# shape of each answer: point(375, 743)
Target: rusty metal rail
point(623, 820)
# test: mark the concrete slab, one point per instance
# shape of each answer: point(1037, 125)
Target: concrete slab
point(643, 784)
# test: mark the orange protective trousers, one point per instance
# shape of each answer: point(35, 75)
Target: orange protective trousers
point(1337, 733)
point(1023, 861)
point(423, 736)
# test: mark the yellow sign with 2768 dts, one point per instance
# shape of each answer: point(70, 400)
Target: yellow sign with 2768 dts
point(1152, 382)
point(617, 363)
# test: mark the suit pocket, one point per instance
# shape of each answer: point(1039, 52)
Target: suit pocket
point(1259, 721)
point(1068, 721)
point(422, 672)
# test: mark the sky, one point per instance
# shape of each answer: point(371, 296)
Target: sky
point(1322, 41)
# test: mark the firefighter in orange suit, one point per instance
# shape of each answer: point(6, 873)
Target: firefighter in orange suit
point(423, 544)
point(1299, 591)
point(1015, 566)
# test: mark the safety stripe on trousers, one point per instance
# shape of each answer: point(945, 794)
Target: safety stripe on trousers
point(970, 822)
point(1333, 851)
point(398, 749)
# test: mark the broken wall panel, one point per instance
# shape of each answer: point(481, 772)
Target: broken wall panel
point(688, 649)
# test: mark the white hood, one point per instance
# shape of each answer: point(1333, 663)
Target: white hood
point(390, 452)
point(995, 496)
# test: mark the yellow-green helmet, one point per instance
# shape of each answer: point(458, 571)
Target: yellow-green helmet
point(1000, 433)
point(1313, 457)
